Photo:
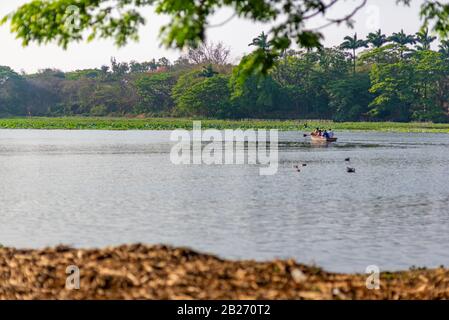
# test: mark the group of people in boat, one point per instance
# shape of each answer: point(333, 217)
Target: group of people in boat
point(328, 134)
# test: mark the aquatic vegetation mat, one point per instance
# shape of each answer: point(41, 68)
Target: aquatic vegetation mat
point(107, 123)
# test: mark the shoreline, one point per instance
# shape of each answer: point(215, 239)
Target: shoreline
point(162, 272)
point(106, 123)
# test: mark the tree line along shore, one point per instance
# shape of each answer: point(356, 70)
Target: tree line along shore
point(399, 77)
point(160, 272)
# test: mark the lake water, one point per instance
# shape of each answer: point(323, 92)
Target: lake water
point(99, 188)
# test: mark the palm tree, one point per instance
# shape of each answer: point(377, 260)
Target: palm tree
point(424, 39)
point(403, 40)
point(444, 48)
point(377, 39)
point(353, 43)
point(261, 42)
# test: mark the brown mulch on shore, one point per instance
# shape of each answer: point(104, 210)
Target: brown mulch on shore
point(161, 272)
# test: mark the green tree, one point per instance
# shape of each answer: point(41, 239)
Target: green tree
point(184, 82)
point(413, 89)
point(353, 43)
point(424, 40)
point(155, 93)
point(444, 48)
point(393, 93)
point(388, 53)
point(402, 39)
point(139, 67)
point(349, 97)
point(164, 62)
point(99, 111)
point(377, 39)
point(430, 86)
point(261, 42)
point(13, 92)
point(256, 96)
point(119, 69)
point(293, 73)
point(207, 98)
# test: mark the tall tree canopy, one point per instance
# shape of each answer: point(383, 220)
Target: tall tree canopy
point(424, 39)
point(377, 39)
point(353, 43)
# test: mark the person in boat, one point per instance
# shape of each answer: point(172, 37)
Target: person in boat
point(326, 134)
point(316, 132)
point(330, 133)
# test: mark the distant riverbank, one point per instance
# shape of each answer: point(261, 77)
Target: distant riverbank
point(91, 123)
point(161, 272)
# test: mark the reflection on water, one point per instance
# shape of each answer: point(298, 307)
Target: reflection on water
point(96, 188)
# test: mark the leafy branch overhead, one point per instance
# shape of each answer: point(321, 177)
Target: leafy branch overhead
point(44, 21)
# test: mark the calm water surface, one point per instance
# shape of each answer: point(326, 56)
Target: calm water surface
point(98, 188)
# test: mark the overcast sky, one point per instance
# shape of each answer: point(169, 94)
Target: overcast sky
point(237, 34)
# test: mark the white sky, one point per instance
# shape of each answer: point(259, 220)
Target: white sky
point(237, 34)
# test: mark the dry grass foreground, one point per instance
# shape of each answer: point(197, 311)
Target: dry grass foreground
point(161, 272)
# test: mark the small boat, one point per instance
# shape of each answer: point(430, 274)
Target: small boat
point(323, 139)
